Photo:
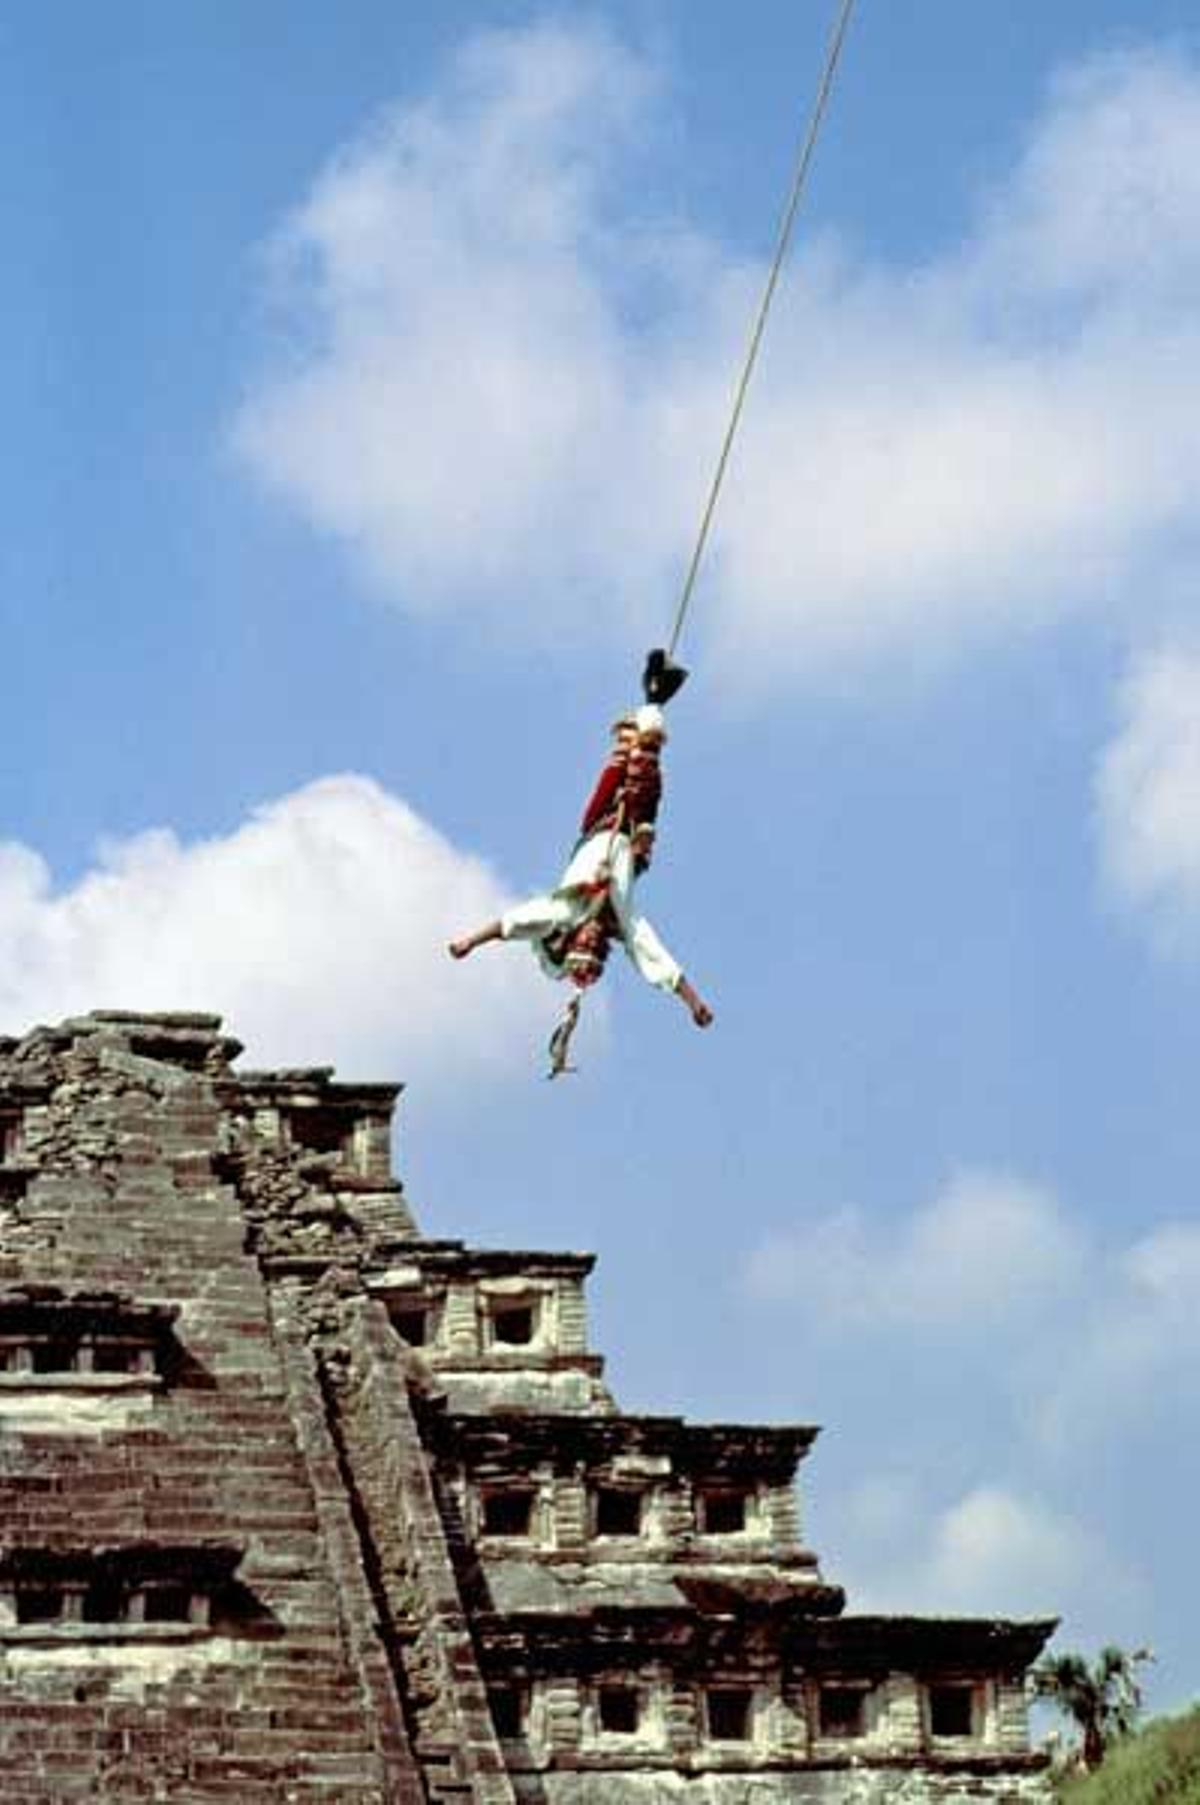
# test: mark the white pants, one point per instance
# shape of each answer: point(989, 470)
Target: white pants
point(570, 903)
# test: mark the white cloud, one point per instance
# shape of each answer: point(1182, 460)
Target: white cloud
point(1148, 793)
point(1164, 1270)
point(1129, 1361)
point(993, 1551)
point(514, 381)
point(992, 1544)
point(986, 1249)
point(317, 927)
point(462, 418)
point(994, 1293)
point(1108, 191)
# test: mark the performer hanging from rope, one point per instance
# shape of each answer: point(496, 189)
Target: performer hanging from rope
point(572, 927)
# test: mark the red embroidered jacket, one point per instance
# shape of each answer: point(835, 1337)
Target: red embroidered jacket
point(628, 791)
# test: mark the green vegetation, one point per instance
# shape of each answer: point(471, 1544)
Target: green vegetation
point(1101, 1699)
point(1160, 1765)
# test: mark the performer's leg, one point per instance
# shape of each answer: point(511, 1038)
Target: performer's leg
point(538, 917)
point(531, 920)
point(592, 862)
point(621, 881)
point(650, 956)
point(466, 943)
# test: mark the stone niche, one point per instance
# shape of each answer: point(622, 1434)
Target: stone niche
point(94, 1341)
point(349, 1125)
point(149, 1591)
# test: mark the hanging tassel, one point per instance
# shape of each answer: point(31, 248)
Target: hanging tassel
point(560, 1041)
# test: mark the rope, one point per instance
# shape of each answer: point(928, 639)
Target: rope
point(807, 148)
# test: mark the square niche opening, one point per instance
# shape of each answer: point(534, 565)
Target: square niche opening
point(513, 1325)
point(508, 1513)
point(619, 1710)
point(40, 1604)
point(321, 1131)
point(952, 1709)
point(167, 1603)
point(105, 1602)
point(116, 1357)
point(412, 1322)
point(842, 1711)
point(618, 1511)
point(727, 1709)
point(723, 1513)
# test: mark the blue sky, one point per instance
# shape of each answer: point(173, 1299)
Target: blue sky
point(362, 374)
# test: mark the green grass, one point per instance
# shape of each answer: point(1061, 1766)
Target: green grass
point(1158, 1766)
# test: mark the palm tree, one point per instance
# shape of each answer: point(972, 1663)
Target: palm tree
point(1104, 1699)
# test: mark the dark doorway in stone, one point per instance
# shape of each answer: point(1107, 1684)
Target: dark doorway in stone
point(507, 1513)
point(842, 1711)
point(728, 1712)
point(513, 1324)
point(722, 1513)
point(951, 1710)
point(619, 1710)
point(618, 1511)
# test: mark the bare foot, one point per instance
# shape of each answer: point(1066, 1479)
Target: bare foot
point(458, 949)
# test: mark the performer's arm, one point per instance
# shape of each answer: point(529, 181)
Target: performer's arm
point(700, 1012)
